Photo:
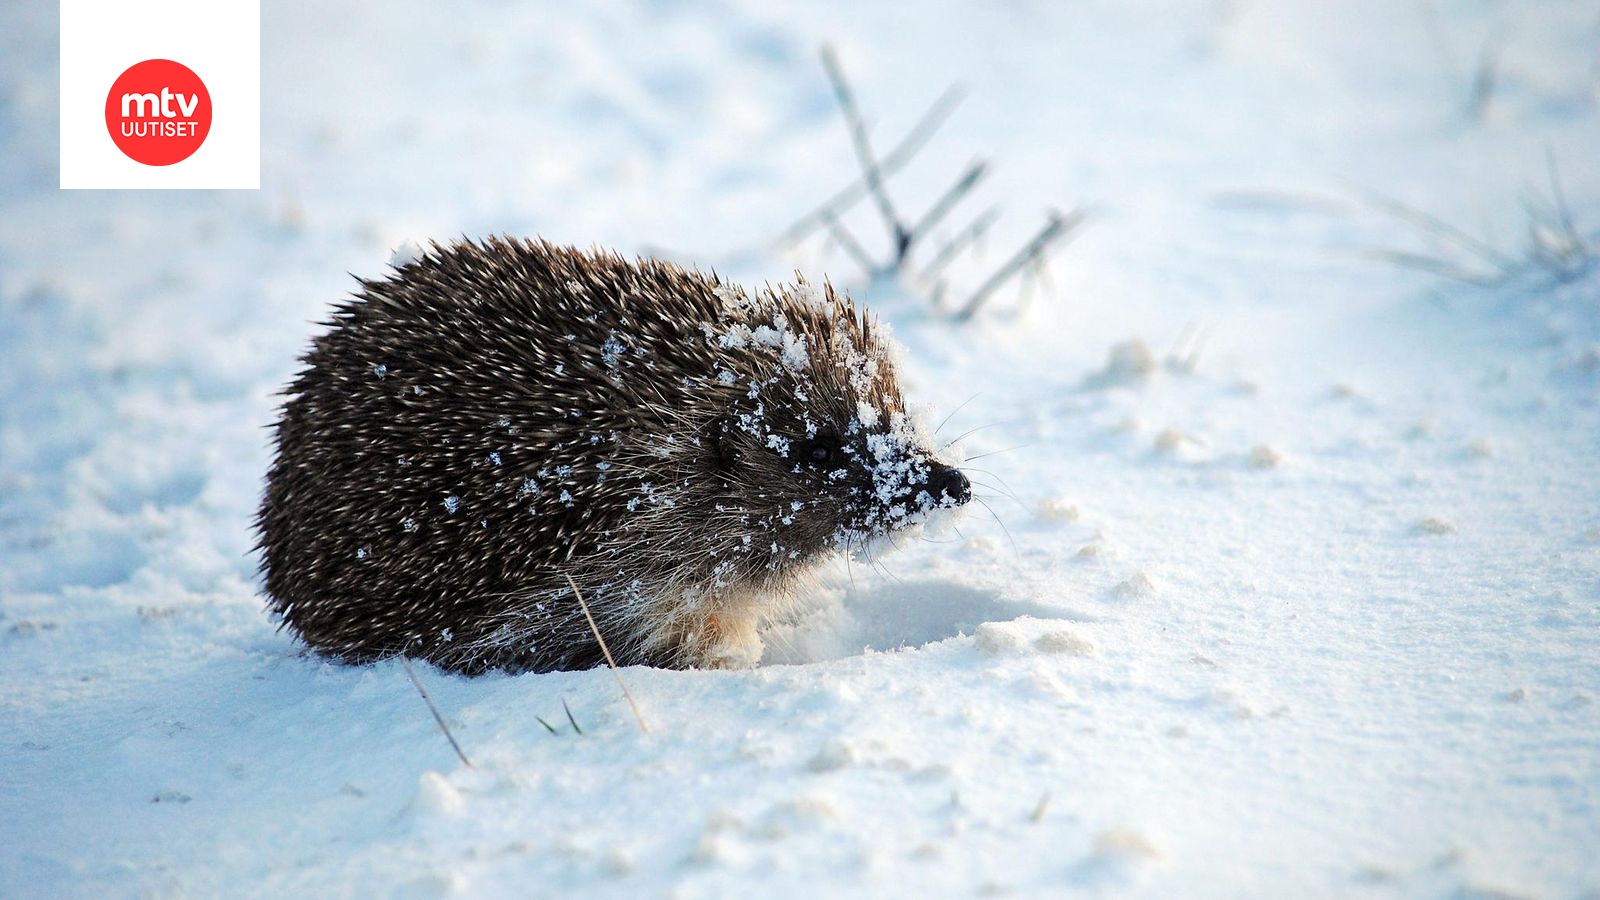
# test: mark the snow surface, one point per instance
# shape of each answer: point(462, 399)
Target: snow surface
point(1299, 595)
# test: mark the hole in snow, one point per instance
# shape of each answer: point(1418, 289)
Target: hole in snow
point(845, 620)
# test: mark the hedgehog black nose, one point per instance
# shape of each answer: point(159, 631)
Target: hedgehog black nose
point(951, 484)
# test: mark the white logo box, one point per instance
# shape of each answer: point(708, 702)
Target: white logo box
point(219, 39)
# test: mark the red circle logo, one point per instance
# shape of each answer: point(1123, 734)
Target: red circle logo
point(158, 112)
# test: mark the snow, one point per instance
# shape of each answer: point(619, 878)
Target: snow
point(1339, 631)
point(404, 255)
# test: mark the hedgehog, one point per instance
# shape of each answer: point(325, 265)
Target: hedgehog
point(501, 423)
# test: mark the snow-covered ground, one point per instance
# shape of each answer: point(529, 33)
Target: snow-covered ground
point(1308, 604)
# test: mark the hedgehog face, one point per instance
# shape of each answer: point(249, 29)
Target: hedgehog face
point(818, 431)
point(878, 481)
point(832, 485)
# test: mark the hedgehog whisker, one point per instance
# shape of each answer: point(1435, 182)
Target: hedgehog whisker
point(997, 452)
point(946, 420)
point(995, 476)
point(994, 497)
point(972, 431)
point(999, 491)
point(878, 566)
point(1002, 525)
point(849, 572)
point(996, 492)
point(788, 646)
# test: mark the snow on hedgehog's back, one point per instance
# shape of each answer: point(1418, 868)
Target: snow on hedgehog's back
point(500, 416)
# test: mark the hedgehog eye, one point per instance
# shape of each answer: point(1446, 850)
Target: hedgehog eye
point(821, 450)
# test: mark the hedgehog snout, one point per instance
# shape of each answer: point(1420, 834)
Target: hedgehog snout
point(950, 484)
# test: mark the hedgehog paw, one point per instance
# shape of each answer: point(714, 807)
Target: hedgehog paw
point(728, 642)
point(734, 653)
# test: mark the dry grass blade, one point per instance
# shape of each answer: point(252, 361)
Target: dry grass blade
point(1557, 243)
point(1039, 810)
point(1556, 252)
point(435, 710)
point(572, 720)
point(615, 672)
point(1558, 195)
point(1435, 266)
point(1441, 229)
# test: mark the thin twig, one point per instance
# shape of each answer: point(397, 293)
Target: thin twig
point(1045, 279)
point(1030, 274)
point(851, 246)
point(863, 147)
point(1057, 227)
point(616, 673)
point(969, 179)
point(955, 245)
point(435, 710)
point(1031, 258)
point(888, 165)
